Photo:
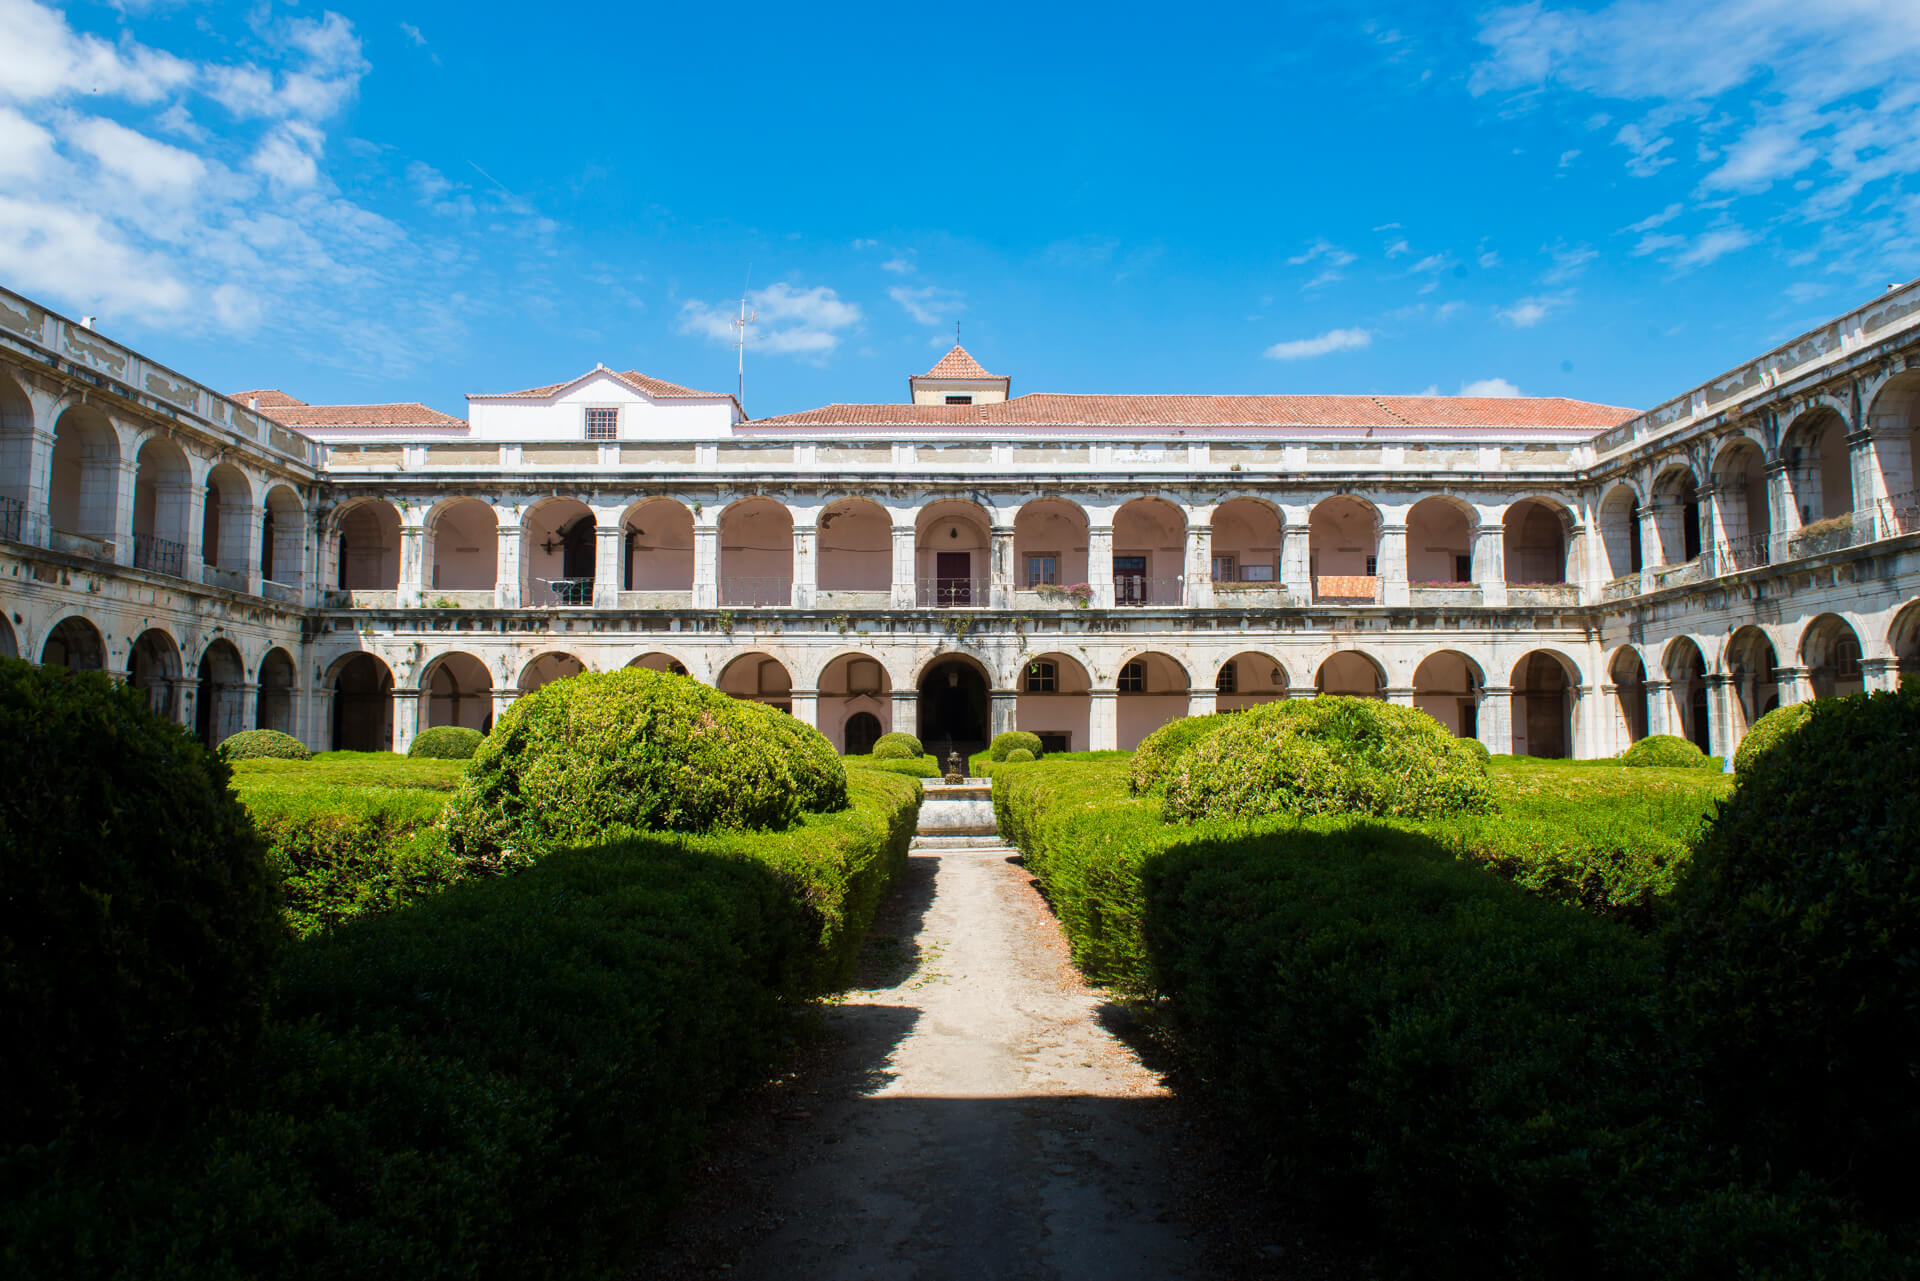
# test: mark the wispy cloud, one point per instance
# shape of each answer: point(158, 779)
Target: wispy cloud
point(929, 305)
point(1330, 258)
point(790, 321)
point(1489, 387)
point(1331, 341)
point(1529, 312)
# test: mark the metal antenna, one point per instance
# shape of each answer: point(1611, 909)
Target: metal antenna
point(740, 342)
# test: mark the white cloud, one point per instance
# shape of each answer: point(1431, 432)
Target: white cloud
point(1660, 219)
point(1489, 387)
point(1331, 341)
point(1489, 259)
point(930, 305)
point(150, 167)
point(789, 321)
point(26, 149)
point(1432, 262)
point(413, 33)
point(1568, 157)
point(286, 156)
point(899, 266)
point(43, 58)
point(1529, 312)
point(1711, 245)
point(1331, 259)
point(1569, 261)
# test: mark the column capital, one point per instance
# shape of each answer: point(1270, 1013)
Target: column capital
point(1498, 691)
point(1001, 531)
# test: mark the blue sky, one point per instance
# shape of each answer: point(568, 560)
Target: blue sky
point(1612, 201)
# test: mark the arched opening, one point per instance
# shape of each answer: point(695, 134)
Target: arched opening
point(1249, 679)
point(1446, 686)
point(84, 490)
point(273, 707)
point(283, 537)
point(16, 459)
point(950, 555)
point(162, 497)
point(1629, 677)
point(1343, 547)
point(153, 667)
point(1740, 496)
point(1149, 553)
point(74, 643)
point(557, 549)
point(856, 549)
point(462, 548)
point(658, 547)
point(1440, 533)
point(1055, 702)
point(1153, 690)
point(1620, 532)
point(756, 553)
point(366, 549)
point(1543, 694)
point(1903, 639)
point(1830, 649)
point(758, 678)
point(1351, 673)
point(1895, 419)
point(853, 686)
point(459, 691)
point(547, 668)
point(220, 707)
point(657, 662)
point(226, 523)
point(1752, 673)
point(1535, 534)
point(1819, 475)
point(9, 643)
point(1676, 515)
point(362, 705)
point(860, 733)
point(1687, 673)
point(954, 711)
point(1050, 548)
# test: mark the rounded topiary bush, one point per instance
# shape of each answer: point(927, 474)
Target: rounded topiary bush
point(1007, 742)
point(1474, 748)
point(1323, 755)
point(447, 743)
point(1766, 733)
point(897, 747)
point(1794, 942)
point(135, 907)
point(1668, 751)
point(251, 744)
point(1159, 750)
point(1020, 754)
point(594, 757)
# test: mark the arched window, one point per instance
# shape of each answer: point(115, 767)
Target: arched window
point(863, 731)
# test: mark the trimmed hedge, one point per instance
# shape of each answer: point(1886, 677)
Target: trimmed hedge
point(446, 743)
point(1767, 733)
point(1011, 739)
point(1019, 756)
point(1326, 755)
point(595, 757)
point(1161, 750)
point(911, 766)
point(1669, 751)
point(897, 746)
point(506, 1080)
point(250, 744)
point(136, 913)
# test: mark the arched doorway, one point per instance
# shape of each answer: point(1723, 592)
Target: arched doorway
point(1249, 679)
point(274, 705)
point(1055, 702)
point(1152, 689)
point(861, 733)
point(74, 643)
point(362, 705)
point(1831, 651)
point(1543, 693)
point(1629, 677)
point(459, 691)
point(1446, 686)
point(220, 708)
point(759, 678)
point(153, 666)
point(658, 662)
point(955, 710)
point(548, 668)
point(1687, 674)
point(1351, 673)
point(1751, 667)
point(852, 686)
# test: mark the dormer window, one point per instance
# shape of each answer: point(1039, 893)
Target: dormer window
point(959, 400)
point(603, 424)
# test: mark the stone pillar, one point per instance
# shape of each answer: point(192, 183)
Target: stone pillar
point(905, 589)
point(123, 513)
point(256, 513)
point(1495, 719)
point(1202, 702)
point(1720, 718)
point(1100, 565)
point(1892, 446)
point(1782, 511)
point(506, 574)
point(406, 718)
point(806, 706)
point(1399, 695)
point(1652, 549)
point(1103, 715)
point(609, 544)
point(196, 554)
point(904, 712)
point(1296, 561)
point(1660, 710)
point(241, 712)
point(184, 689)
point(1792, 685)
point(1490, 563)
point(1199, 584)
point(706, 562)
point(1005, 715)
point(1000, 569)
point(1879, 674)
point(1392, 566)
point(502, 700)
point(413, 561)
point(1863, 470)
point(806, 565)
point(1583, 561)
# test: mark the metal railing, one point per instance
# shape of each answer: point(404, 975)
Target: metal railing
point(17, 524)
point(1900, 513)
point(951, 593)
point(751, 592)
point(560, 591)
point(1134, 589)
point(1830, 535)
point(1751, 552)
point(159, 555)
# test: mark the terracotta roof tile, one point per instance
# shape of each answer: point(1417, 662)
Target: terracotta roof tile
point(405, 414)
point(658, 388)
point(957, 364)
point(269, 398)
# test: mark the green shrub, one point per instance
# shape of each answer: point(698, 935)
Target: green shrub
point(912, 767)
point(897, 746)
point(1326, 755)
point(1010, 740)
point(136, 913)
point(605, 755)
point(249, 744)
point(1667, 751)
point(341, 853)
point(1795, 943)
point(1767, 732)
point(446, 743)
point(1476, 748)
point(1607, 863)
point(1019, 755)
point(1160, 750)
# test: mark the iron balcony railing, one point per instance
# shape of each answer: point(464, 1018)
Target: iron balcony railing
point(561, 591)
point(951, 593)
point(159, 555)
point(755, 592)
point(17, 523)
point(1750, 552)
point(1134, 589)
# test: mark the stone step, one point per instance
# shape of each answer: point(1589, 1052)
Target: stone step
point(974, 841)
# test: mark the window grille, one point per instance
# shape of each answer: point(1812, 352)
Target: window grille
point(1042, 678)
point(603, 424)
point(1228, 682)
point(959, 400)
point(1133, 678)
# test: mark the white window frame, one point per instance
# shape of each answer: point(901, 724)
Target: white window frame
point(588, 426)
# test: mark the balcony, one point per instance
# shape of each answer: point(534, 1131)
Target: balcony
point(1834, 534)
point(284, 593)
point(1621, 588)
point(1133, 589)
point(1346, 589)
point(851, 598)
point(1751, 552)
point(159, 555)
point(1445, 595)
point(653, 600)
point(1543, 595)
point(18, 525)
point(951, 593)
point(1237, 594)
point(233, 580)
point(567, 593)
point(755, 592)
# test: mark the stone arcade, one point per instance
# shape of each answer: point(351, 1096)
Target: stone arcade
point(1553, 577)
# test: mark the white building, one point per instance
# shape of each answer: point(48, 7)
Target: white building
point(1552, 576)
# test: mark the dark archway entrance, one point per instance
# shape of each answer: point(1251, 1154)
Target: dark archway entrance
point(363, 706)
point(954, 708)
point(863, 731)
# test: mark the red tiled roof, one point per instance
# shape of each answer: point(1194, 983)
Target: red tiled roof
point(658, 388)
point(1215, 413)
point(406, 414)
point(268, 398)
point(957, 364)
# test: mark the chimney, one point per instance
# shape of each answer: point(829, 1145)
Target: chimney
point(253, 402)
point(86, 322)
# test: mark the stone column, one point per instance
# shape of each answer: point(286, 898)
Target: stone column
point(1399, 695)
point(506, 574)
point(1892, 445)
point(904, 712)
point(1792, 685)
point(1783, 512)
point(1495, 720)
point(123, 513)
point(1296, 561)
point(1202, 702)
point(1660, 717)
point(1100, 569)
point(1199, 584)
point(241, 712)
point(502, 700)
point(1392, 566)
point(184, 689)
point(1001, 578)
point(1863, 469)
point(1005, 714)
point(806, 565)
point(1613, 721)
point(1103, 716)
point(1652, 550)
point(706, 562)
point(806, 706)
point(609, 544)
point(1879, 674)
point(196, 554)
point(1490, 563)
point(413, 541)
point(905, 590)
point(406, 718)
point(256, 513)
point(1720, 730)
